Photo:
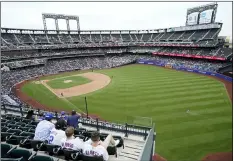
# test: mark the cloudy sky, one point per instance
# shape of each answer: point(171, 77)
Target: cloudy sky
point(109, 15)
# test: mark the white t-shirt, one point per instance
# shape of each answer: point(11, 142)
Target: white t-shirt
point(56, 136)
point(89, 150)
point(75, 144)
point(43, 130)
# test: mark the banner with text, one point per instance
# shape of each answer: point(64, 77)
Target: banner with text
point(189, 56)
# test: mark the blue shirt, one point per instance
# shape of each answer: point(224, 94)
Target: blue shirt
point(64, 117)
point(73, 120)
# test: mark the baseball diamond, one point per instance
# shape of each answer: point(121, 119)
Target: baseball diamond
point(135, 88)
point(117, 81)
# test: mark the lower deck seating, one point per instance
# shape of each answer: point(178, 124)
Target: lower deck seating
point(17, 144)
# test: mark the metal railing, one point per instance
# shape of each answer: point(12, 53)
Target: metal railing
point(95, 123)
point(149, 147)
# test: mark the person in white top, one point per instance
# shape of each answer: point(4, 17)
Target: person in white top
point(44, 128)
point(57, 134)
point(97, 147)
point(70, 142)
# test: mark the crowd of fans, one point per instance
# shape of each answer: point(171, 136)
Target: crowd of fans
point(9, 78)
point(201, 65)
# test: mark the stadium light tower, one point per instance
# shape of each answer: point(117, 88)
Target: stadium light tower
point(60, 16)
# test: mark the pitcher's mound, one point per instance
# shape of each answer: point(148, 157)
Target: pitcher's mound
point(67, 81)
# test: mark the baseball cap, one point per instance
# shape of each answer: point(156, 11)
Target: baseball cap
point(48, 116)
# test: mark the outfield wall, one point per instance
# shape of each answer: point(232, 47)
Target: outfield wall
point(162, 64)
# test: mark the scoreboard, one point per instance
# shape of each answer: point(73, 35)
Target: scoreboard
point(202, 14)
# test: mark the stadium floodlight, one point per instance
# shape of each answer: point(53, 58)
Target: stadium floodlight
point(60, 16)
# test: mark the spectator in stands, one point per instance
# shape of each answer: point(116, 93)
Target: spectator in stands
point(30, 115)
point(63, 116)
point(40, 116)
point(73, 119)
point(44, 128)
point(70, 142)
point(57, 134)
point(97, 147)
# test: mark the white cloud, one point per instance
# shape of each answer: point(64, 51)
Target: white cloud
point(109, 15)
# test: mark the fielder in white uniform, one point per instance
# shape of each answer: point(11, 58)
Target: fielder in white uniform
point(97, 147)
point(70, 142)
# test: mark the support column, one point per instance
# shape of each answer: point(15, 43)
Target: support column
point(78, 24)
point(56, 25)
point(44, 23)
point(68, 26)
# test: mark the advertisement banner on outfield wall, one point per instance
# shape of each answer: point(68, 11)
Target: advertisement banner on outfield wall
point(189, 56)
point(158, 63)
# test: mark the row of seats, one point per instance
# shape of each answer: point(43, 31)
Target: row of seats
point(146, 37)
point(17, 133)
point(12, 153)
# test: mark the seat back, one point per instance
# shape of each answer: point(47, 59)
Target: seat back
point(29, 134)
point(4, 129)
point(4, 149)
point(15, 131)
point(71, 154)
point(41, 158)
point(52, 149)
point(18, 153)
point(12, 159)
point(15, 139)
point(89, 158)
point(12, 126)
point(36, 144)
point(4, 135)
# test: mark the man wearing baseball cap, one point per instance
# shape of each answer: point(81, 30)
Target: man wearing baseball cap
point(73, 119)
point(44, 128)
point(63, 116)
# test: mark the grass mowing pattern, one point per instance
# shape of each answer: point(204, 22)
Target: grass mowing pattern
point(58, 83)
point(165, 95)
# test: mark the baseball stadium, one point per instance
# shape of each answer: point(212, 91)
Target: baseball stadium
point(165, 93)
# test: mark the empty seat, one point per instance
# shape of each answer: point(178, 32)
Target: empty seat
point(12, 126)
point(4, 129)
point(42, 158)
point(18, 153)
point(72, 154)
point(29, 134)
point(24, 128)
point(4, 149)
point(4, 135)
point(20, 124)
point(38, 145)
point(88, 158)
point(25, 144)
point(53, 149)
point(14, 139)
point(12, 159)
point(15, 131)
point(27, 121)
point(18, 119)
point(31, 130)
point(31, 126)
point(10, 122)
point(34, 123)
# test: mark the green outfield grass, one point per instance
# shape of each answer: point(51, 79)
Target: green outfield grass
point(164, 95)
point(58, 83)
